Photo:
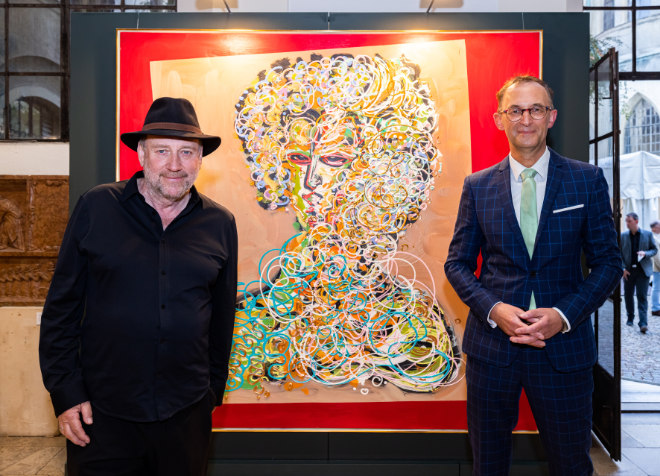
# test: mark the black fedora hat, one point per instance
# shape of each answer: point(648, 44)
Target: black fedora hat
point(172, 117)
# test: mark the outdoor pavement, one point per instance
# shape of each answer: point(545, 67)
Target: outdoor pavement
point(640, 435)
point(640, 395)
point(640, 353)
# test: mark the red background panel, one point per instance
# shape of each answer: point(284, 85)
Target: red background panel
point(492, 57)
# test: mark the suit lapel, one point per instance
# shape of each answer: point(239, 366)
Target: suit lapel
point(503, 184)
point(554, 180)
point(625, 247)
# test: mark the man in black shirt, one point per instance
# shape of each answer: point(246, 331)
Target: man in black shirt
point(137, 327)
point(637, 248)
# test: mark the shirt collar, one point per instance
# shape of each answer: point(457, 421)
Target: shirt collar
point(131, 186)
point(541, 166)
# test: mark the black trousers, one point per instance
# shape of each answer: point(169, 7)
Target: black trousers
point(178, 446)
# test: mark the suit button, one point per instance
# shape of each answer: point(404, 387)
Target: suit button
point(532, 274)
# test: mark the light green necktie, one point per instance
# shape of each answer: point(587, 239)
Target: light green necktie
point(529, 221)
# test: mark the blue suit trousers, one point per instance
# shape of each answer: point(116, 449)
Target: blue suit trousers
point(560, 401)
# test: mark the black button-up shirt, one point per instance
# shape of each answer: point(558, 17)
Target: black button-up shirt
point(139, 320)
point(634, 248)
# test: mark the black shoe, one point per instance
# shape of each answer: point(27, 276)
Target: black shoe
point(629, 323)
point(655, 313)
point(643, 329)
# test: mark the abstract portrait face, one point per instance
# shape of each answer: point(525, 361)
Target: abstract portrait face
point(346, 142)
point(317, 133)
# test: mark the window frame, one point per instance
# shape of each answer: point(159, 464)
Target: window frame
point(632, 9)
point(65, 7)
point(640, 110)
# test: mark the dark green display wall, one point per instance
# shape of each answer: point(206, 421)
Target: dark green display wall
point(92, 161)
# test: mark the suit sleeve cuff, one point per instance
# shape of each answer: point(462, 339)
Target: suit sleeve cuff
point(567, 324)
point(492, 322)
point(62, 401)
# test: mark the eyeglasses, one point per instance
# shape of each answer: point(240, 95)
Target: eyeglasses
point(514, 114)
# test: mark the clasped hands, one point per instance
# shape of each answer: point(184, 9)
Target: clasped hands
point(531, 327)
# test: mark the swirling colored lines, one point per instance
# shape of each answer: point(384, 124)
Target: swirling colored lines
point(321, 315)
point(322, 320)
point(340, 107)
point(347, 143)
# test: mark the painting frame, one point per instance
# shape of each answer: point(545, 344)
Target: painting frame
point(136, 48)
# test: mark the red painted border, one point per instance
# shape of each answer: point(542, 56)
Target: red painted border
point(429, 416)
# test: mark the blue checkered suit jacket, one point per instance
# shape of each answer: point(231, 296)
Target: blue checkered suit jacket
point(576, 216)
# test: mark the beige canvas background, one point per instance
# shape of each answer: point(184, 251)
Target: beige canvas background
point(214, 85)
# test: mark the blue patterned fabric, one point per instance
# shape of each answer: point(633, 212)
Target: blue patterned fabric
point(576, 217)
point(561, 403)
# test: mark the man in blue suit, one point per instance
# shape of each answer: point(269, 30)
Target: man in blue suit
point(637, 249)
point(531, 217)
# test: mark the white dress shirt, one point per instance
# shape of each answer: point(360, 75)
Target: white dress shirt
point(541, 179)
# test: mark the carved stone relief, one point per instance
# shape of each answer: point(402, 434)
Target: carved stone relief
point(33, 216)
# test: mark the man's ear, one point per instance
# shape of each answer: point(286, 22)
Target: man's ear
point(552, 118)
point(140, 153)
point(497, 117)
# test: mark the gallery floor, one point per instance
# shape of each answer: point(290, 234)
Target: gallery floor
point(640, 393)
point(26, 456)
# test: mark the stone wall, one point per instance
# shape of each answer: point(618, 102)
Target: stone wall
point(33, 216)
point(25, 407)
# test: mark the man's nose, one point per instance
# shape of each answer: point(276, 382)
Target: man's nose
point(175, 162)
point(526, 117)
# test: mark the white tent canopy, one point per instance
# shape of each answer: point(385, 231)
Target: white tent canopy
point(640, 184)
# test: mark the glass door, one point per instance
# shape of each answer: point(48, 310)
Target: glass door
point(604, 151)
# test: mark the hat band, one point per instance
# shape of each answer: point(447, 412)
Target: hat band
point(174, 126)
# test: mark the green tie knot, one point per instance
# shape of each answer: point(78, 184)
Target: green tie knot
point(528, 174)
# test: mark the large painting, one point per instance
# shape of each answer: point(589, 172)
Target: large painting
point(342, 158)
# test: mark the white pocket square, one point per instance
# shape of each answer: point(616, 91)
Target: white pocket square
point(559, 210)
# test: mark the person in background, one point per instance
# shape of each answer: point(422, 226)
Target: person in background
point(531, 217)
point(637, 249)
point(655, 293)
point(137, 327)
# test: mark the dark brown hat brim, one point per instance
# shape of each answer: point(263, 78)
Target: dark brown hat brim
point(209, 143)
